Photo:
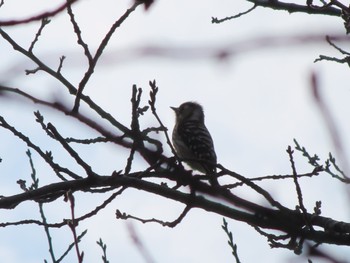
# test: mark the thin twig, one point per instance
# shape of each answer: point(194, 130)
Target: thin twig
point(35, 185)
point(62, 58)
point(71, 151)
point(215, 20)
point(230, 240)
point(328, 38)
point(78, 33)
point(152, 103)
point(37, 17)
point(315, 172)
point(47, 156)
point(171, 224)
point(346, 59)
point(291, 7)
point(62, 108)
point(254, 186)
point(72, 90)
point(297, 186)
point(100, 49)
point(103, 246)
point(71, 246)
point(72, 225)
point(135, 126)
point(44, 22)
point(64, 223)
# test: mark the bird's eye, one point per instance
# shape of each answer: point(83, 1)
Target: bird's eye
point(182, 109)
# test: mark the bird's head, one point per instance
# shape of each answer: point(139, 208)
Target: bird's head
point(189, 111)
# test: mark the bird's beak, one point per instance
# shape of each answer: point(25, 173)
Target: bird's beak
point(175, 109)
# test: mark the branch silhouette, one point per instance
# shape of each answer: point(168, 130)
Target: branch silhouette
point(162, 174)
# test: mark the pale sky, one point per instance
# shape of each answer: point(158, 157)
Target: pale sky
point(255, 104)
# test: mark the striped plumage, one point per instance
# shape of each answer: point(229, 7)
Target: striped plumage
point(192, 140)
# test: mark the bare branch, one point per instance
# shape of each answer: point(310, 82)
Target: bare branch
point(346, 59)
point(72, 225)
point(315, 172)
point(60, 65)
point(124, 216)
point(78, 33)
point(251, 184)
point(292, 8)
point(72, 90)
point(152, 103)
point(37, 17)
point(46, 156)
point(297, 186)
point(104, 250)
point(215, 20)
point(99, 52)
point(285, 220)
point(230, 240)
point(70, 150)
point(45, 21)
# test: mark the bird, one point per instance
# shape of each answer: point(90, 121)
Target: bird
point(192, 141)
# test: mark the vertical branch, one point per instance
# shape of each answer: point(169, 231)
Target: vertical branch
point(230, 240)
point(152, 103)
point(78, 32)
point(129, 161)
point(135, 103)
point(44, 22)
point(135, 125)
point(103, 246)
point(34, 186)
point(297, 186)
point(60, 64)
point(47, 232)
point(72, 225)
point(94, 60)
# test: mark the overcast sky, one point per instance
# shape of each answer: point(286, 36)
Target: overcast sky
point(255, 103)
